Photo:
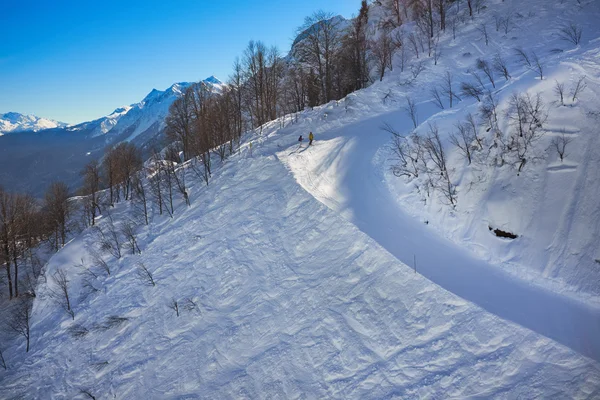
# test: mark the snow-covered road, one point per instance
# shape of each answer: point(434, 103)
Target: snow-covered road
point(340, 172)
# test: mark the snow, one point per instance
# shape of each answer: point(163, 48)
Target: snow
point(13, 122)
point(294, 301)
point(319, 274)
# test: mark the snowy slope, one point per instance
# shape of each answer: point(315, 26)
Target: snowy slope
point(13, 122)
point(300, 261)
point(292, 302)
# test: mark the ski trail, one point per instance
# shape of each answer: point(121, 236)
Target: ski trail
point(356, 190)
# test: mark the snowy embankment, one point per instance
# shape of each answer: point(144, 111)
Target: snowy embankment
point(294, 270)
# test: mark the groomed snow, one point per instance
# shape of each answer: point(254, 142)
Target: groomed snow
point(301, 261)
point(294, 302)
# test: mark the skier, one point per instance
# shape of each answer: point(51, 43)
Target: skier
point(250, 145)
point(300, 139)
point(311, 137)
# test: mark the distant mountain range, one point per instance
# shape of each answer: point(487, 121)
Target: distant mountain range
point(35, 151)
point(13, 122)
point(134, 120)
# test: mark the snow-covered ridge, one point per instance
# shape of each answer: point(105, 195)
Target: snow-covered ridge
point(13, 122)
point(137, 118)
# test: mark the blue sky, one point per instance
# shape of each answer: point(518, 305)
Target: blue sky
point(75, 61)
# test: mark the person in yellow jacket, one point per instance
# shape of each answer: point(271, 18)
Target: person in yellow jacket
point(311, 137)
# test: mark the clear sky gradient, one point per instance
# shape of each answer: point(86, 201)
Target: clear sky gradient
point(75, 61)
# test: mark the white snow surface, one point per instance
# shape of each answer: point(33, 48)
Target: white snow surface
point(302, 260)
point(13, 122)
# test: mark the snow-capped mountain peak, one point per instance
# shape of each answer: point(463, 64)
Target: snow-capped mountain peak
point(13, 122)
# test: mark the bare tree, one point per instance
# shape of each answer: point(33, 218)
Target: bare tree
point(500, 66)
point(537, 65)
point(570, 33)
point(526, 115)
point(470, 90)
point(109, 238)
point(486, 68)
point(128, 231)
point(439, 176)
point(559, 89)
point(57, 210)
point(579, 87)
point(437, 97)
point(484, 32)
point(321, 38)
point(382, 50)
point(507, 23)
point(416, 69)
point(61, 293)
point(523, 57)
point(560, 145)
point(400, 44)
point(437, 51)
point(411, 110)
point(498, 21)
point(140, 196)
point(447, 89)
point(145, 275)
point(408, 152)
point(473, 126)
point(488, 111)
point(91, 188)
point(99, 262)
point(463, 140)
point(414, 41)
point(20, 321)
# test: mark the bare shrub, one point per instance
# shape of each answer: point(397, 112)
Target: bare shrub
point(570, 32)
point(437, 97)
point(559, 89)
point(579, 87)
point(128, 231)
point(20, 321)
point(109, 238)
point(439, 176)
point(486, 68)
point(507, 23)
point(99, 262)
point(488, 111)
point(189, 305)
point(523, 57)
point(527, 116)
point(408, 152)
point(470, 90)
point(448, 90)
point(484, 32)
point(145, 275)
point(537, 65)
point(416, 70)
point(560, 145)
point(463, 140)
point(411, 110)
point(174, 305)
point(78, 331)
point(60, 294)
point(500, 66)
